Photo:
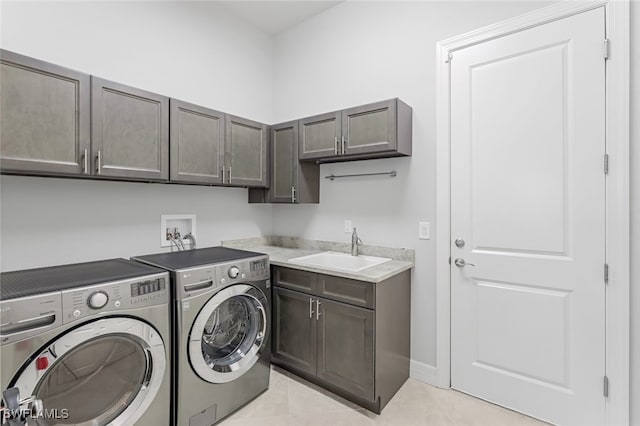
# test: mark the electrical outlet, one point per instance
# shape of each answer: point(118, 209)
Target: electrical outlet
point(424, 230)
point(347, 226)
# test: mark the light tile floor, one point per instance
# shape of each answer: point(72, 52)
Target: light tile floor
point(292, 401)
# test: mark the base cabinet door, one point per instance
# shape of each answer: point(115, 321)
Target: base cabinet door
point(44, 117)
point(294, 330)
point(129, 132)
point(346, 347)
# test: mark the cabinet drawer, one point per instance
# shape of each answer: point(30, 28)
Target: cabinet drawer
point(359, 293)
point(295, 279)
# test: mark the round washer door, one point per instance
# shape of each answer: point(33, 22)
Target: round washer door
point(228, 333)
point(105, 372)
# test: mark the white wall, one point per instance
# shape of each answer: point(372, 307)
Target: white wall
point(352, 54)
point(359, 52)
point(190, 51)
point(635, 212)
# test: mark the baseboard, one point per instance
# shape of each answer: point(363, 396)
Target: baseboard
point(424, 372)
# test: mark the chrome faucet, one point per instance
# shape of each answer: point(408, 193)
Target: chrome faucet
point(355, 242)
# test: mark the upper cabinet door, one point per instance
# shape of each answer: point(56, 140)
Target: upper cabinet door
point(284, 157)
point(246, 152)
point(129, 132)
point(44, 117)
point(369, 128)
point(197, 143)
point(320, 136)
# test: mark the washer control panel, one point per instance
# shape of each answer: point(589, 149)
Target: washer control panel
point(112, 297)
point(141, 288)
point(27, 316)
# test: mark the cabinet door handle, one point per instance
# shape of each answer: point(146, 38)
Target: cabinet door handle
point(310, 307)
point(85, 164)
point(229, 174)
point(336, 145)
point(293, 194)
point(99, 163)
point(343, 145)
point(317, 309)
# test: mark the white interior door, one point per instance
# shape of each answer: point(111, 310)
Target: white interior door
point(528, 199)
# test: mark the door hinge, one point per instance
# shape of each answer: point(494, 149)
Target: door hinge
point(605, 387)
point(606, 164)
point(606, 273)
point(605, 48)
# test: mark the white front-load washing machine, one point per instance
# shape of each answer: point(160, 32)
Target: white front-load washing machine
point(222, 304)
point(90, 340)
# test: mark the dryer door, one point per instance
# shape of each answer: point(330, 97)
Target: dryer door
point(104, 372)
point(227, 335)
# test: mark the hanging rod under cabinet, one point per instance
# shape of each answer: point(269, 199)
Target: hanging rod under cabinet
point(392, 173)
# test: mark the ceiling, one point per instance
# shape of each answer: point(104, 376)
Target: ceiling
point(274, 17)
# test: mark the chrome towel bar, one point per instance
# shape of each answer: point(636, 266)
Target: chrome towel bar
point(392, 173)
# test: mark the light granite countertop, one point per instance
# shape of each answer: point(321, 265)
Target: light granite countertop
point(281, 249)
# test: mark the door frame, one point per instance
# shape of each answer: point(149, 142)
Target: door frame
point(617, 188)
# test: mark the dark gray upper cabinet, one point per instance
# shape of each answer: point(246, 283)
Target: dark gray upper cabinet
point(44, 117)
point(370, 128)
point(284, 156)
point(129, 132)
point(292, 181)
point(197, 144)
point(320, 135)
point(377, 130)
point(246, 153)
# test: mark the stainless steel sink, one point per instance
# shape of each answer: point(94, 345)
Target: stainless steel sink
point(339, 261)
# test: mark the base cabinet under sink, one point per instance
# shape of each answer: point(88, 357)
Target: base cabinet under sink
point(358, 352)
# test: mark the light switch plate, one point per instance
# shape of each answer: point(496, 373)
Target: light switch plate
point(424, 230)
point(347, 226)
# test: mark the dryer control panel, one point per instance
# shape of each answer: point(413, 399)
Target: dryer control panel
point(193, 281)
point(254, 269)
point(112, 297)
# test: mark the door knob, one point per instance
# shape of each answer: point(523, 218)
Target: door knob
point(460, 262)
point(459, 242)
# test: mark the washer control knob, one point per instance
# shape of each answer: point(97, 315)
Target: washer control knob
point(98, 300)
point(234, 272)
point(117, 304)
point(76, 313)
point(243, 276)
